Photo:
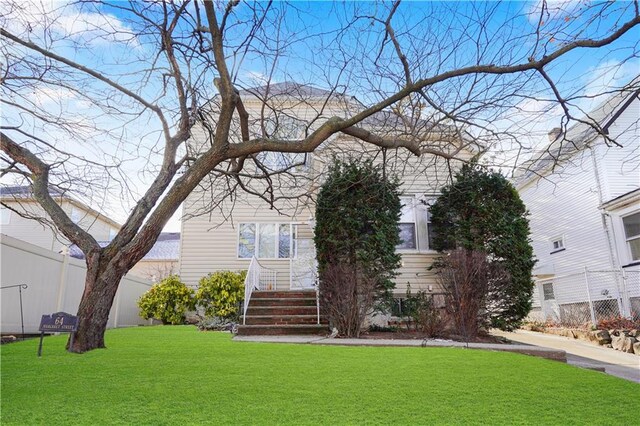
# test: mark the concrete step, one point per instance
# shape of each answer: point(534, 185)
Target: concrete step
point(284, 294)
point(279, 330)
point(281, 310)
point(283, 319)
point(282, 301)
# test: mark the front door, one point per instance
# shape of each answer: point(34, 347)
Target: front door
point(303, 265)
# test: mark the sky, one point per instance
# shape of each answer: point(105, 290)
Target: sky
point(102, 38)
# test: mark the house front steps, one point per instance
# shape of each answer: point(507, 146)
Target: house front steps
point(282, 313)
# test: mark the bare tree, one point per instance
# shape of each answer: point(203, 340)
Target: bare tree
point(101, 97)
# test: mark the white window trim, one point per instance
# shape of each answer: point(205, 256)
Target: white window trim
point(544, 295)
point(625, 240)
point(419, 199)
point(622, 249)
point(560, 238)
point(256, 249)
point(413, 199)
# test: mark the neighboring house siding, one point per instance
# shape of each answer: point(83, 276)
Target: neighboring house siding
point(567, 200)
point(155, 270)
point(565, 204)
point(34, 232)
point(619, 167)
point(31, 230)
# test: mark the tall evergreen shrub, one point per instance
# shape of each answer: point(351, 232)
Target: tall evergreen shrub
point(482, 212)
point(356, 233)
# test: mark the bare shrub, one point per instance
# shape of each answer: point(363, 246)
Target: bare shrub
point(424, 314)
point(347, 297)
point(468, 279)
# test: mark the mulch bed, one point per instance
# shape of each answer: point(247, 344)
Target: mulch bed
point(417, 335)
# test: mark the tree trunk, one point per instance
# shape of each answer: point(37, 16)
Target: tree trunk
point(101, 285)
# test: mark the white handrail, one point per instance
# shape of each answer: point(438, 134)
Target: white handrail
point(249, 284)
point(317, 286)
point(258, 278)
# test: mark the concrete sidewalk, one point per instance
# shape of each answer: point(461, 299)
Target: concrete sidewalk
point(582, 354)
point(554, 354)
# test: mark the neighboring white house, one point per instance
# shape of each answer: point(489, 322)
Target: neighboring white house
point(23, 218)
point(243, 227)
point(584, 198)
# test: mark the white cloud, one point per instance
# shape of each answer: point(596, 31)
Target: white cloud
point(64, 20)
point(256, 77)
point(599, 82)
point(553, 9)
point(42, 95)
point(95, 28)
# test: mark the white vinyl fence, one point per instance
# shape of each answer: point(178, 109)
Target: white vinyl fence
point(587, 297)
point(55, 283)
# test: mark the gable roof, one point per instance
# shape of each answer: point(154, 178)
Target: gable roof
point(288, 88)
point(25, 192)
point(578, 136)
point(167, 247)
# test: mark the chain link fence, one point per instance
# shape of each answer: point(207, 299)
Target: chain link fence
point(587, 297)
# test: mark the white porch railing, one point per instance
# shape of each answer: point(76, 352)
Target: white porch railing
point(258, 278)
point(316, 285)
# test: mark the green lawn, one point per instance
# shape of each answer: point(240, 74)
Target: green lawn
point(177, 375)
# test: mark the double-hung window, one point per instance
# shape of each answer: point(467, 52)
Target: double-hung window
point(557, 244)
point(265, 240)
point(414, 225)
point(407, 225)
point(547, 291)
point(288, 128)
point(631, 226)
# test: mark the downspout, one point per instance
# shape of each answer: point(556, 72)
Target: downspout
point(613, 259)
point(603, 215)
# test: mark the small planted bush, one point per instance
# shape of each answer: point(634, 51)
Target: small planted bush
point(424, 314)
point(618, 323)
point(167, 301)
point(217, 324)
point(220, 293)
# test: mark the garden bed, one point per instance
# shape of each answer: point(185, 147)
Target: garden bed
point(418, 335)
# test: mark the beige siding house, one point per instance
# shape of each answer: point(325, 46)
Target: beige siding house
point(224, 229)
point(162, 259)
point(19, 212)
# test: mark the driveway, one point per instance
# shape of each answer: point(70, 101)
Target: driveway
point(582, 354)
